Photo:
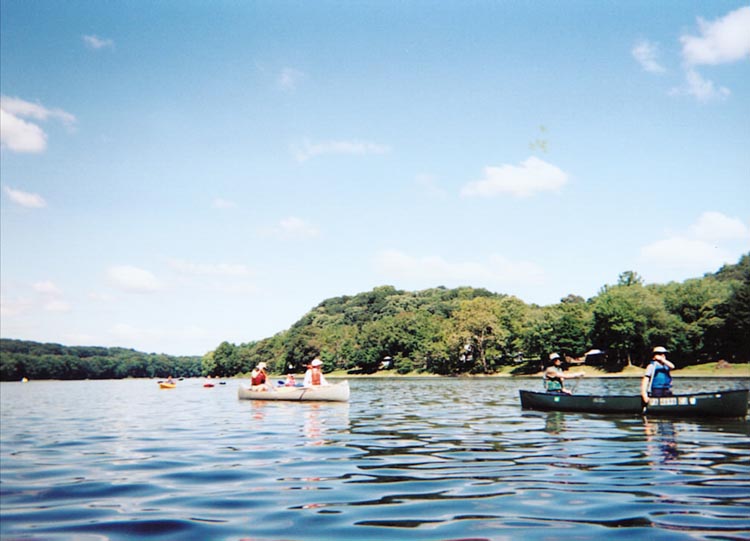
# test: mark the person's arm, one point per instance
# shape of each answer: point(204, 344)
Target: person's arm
point(307, 382)
point(668, 364)
point(644, 388)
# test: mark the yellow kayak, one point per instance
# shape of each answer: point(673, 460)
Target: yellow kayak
point(164, 385)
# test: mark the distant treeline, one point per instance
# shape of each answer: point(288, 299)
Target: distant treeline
point(24, 359)
point(463, 330)
point(469, 330)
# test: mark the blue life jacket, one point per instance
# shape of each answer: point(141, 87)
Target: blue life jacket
point(661, 378)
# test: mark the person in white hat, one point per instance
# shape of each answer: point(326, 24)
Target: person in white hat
point(554, 377)
point(657, 381)
point(258, 377)
point(314, 375)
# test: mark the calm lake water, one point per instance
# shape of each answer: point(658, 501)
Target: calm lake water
point(416, 459)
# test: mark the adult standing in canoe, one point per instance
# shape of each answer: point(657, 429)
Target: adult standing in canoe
point(657, 381)
point(554, 377)
point(314, 375)
point(258, 377)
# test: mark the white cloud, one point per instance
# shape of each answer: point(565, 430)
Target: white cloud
point(308, 150)
point(57, 305)
point(684, 253)
point(133, 279)
point(209, 269)
point(19, 135)
point(294, 227)
point(290, 78)
point(715, 226)
point(714, 240)
point(13, 307)
point(25, 199)
point(700, 88)
point(291, 228)
point(220, 203)
point(726, 39)
point(47, 288)
point(532, 176)
point(433, 270)
point(96, 43)
point(26, 109)
point(101, 297)
point(646, 53)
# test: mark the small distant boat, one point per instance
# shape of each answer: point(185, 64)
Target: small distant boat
point(337, 392)
point(714, 404)
point(208, 384)
point(165, 385)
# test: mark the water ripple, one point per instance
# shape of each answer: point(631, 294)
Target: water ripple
point(420, 460)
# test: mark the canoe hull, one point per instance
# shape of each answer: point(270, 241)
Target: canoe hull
point(337, 392)
point(715, 404)
point(167, 385)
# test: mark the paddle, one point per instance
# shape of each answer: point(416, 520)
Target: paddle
point(575, 385)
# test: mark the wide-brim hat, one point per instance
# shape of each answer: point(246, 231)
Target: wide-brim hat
point(554, 356)
point(261, 365)
point(660, 349)
point(316, 362)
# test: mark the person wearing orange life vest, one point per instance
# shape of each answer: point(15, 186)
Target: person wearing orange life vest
point(258, 377)
point(314, 375)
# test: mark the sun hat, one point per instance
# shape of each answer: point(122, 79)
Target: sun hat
point(316, 362)
point(261, 365)
point(554, 356)
point(660, 349)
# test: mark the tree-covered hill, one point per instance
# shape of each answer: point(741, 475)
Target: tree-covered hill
point(451, 331)
point(33, 360)
point(468, 330)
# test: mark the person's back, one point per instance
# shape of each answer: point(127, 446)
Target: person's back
point(314, 375)
point(258, 375)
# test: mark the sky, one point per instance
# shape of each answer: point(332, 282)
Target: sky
point(175, 174)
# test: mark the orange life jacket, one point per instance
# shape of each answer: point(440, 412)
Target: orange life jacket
point(259, 378)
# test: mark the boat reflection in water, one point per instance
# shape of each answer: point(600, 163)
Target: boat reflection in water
point(661, 439)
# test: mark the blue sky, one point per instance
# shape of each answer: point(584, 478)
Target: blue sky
point(175, 174)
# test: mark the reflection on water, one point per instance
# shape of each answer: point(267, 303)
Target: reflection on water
point(423, 459)
point(661, 436)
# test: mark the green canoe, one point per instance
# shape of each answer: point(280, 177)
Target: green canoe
point(714, 404)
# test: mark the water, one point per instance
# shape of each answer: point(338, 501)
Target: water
point(416, 459)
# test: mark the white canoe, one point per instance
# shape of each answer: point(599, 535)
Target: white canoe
point(337, 392)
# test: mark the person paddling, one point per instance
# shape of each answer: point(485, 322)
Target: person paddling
point(554, 377)
point(314, 375)
point(657, 381)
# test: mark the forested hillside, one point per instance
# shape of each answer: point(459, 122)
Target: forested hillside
point(468, 330)
point(451, 331)
point(21, 358)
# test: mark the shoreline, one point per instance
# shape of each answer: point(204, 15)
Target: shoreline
point(709, 370)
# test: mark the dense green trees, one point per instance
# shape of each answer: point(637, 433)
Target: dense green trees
point(451, 331)
point(468, 330)
point(23, 359)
